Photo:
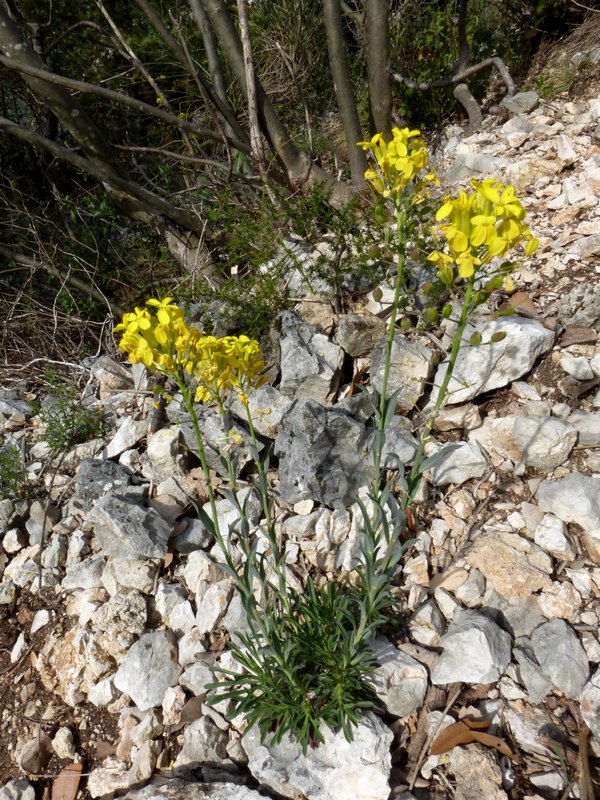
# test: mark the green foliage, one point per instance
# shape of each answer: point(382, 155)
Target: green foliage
point(425, 47)
point(13, 475)
point(312, 668)
point(67, 421)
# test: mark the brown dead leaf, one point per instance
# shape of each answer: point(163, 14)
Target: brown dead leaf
point(523, 303)
point(167, 506)
point(468, 731)
point(66, 783)
point(574, 334)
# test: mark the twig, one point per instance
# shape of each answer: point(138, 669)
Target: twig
point(451, 700)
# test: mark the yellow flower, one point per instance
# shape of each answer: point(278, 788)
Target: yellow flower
point(480, 226)
point(161, 340)
point(398, 161)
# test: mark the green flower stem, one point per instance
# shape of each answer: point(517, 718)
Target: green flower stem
point(263, 490)
point(189, 404)
point(466, 310)
point(391, 332)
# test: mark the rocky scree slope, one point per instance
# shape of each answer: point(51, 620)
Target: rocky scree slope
point(108, 664)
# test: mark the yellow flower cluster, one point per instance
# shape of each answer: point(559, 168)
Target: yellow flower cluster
point(398, 162)
point(159, 338)
point(482, 225)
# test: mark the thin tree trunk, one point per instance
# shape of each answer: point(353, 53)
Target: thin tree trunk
point(256, 141)
point(378, 67)
point(343, 88)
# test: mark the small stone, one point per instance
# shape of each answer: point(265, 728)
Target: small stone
point(507, 562)
point(561, 657)
point(545, 442)
point(577, 367)
point(560, 600)
point(460, 463)
point(475, 650)
point(400, 682)
point(36, 754)
point(587, 426)
point(551, 535)
point(357, 334)
point(64, 745)
point(410, 365)
point(574, 498)
point(521, 102)
point(427, 624)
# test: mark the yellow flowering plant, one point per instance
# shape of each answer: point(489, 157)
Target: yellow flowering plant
point(482, 225)
point(400, 177)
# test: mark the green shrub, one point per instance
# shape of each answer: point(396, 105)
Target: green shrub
point(68, 422)
point(13, 475)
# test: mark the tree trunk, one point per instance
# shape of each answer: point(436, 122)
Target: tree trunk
point(299, 168)
point(378, 67)
point(343, 88)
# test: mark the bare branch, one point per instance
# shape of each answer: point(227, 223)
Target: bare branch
point(460, 77)
point(77, 283)
point(123, 99)
point(102, 173)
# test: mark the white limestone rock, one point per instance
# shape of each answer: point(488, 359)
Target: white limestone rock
point(335, 770)
point(476, 650)
point(400, 682)
point(148, 669)
point(491, 365)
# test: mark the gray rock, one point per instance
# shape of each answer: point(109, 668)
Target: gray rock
point(310, 362)
point(195, 537)
point(195, 677)
point(130, 432)
point(410, 367)
point(590, 704)
point(491, 365)
point(19, 789)
point(468, 162)
point(577, 367)
point(125, 530)
point(203, 742)
point(84, 575)
point(521, 103)
point(400, 682)
point(357, 334)
point(561, 657)
point(148, 669)
point(545, 442)
point(461, 463)
point(321, 455)
point(551, 534)
point(42, 517)
point(532, 677)
point(335, 770)
point(476, 650)
point(175, 789)
point(165, 451)
point(94, 479)
point(465, 417)
point(587, 426)
point(217, 438)
point(574, 498)
point(581, 305)
point(267, 406)
point(399, 441)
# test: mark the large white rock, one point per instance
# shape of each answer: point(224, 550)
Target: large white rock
point(545, 442)
point(400, 681)
point(561, 657)
point(476, 650)
point(148, 669)
point(335, 770)
point(460, 463)
point(490, 365)
point(575, 498)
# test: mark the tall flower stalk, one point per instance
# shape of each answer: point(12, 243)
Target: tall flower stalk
point(306, 661)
